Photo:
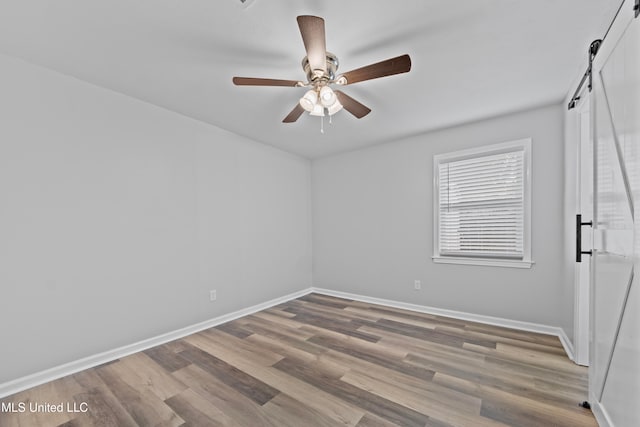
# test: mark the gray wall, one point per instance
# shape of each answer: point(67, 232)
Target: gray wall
point(117, 217)
point(373, 223)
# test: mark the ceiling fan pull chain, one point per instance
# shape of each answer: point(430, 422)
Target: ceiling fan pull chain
point(321, 124)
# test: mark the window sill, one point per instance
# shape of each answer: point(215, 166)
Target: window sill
point(480, 261)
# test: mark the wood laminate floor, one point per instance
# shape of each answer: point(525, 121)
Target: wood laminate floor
point(324, 361)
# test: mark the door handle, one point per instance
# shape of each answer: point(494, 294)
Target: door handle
point(579, 225)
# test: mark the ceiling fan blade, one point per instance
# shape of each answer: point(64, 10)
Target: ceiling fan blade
point(252, 81)
point(397, 65)
point(351, 105)
point(294, 114)
point(313, 37)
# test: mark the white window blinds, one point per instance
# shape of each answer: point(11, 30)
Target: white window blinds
point(482, 206)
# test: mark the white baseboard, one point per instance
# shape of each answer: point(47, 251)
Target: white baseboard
point(601, 414)
point(479, 318)
point(567, 344)
point(38, 378)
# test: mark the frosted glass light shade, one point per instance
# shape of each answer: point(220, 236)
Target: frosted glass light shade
point(318, 110)
point(327, 96)
point(309, 100)
point(334, 108)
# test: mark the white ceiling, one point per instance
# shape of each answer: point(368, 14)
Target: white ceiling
point(472, 59)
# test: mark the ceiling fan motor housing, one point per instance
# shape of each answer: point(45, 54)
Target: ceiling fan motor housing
point(320, 76)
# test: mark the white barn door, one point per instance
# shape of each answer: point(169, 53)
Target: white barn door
point(614, 383)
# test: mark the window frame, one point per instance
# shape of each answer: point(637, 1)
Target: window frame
point(477, 152)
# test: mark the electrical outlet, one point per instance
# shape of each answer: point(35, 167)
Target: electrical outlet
point(213, 295)
point(417, 285)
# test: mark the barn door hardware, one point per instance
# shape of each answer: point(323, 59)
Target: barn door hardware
point(593, 50)
point(579, 225)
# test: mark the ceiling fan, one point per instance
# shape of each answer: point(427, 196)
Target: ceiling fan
point(320, 67)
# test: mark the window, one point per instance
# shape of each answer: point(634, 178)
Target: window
point(482, 204)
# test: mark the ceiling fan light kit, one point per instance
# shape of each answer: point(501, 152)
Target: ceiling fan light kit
point(320, 68)
point(316, 102)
